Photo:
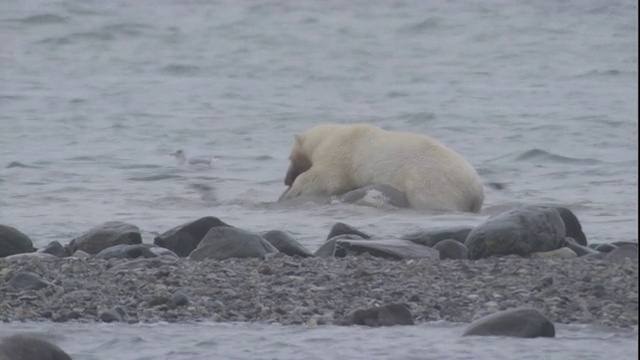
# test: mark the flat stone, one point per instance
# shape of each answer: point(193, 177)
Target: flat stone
point(386, 315)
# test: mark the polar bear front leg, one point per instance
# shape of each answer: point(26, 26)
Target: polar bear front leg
point(316, 181)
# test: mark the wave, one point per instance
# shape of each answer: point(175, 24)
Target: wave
point(537, 155)
point(157, 177)
point(43, 19)
point(180, 69)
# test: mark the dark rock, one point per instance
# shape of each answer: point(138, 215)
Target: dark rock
point(183, 239)
point(519, 231)
point(605, 248)
point(12, 241)
point(328, 249)
point(123, 251)
point(54, 248)
point(29, 347)
point(388, 249)
point(451, 249)
point(106, 235)
point(376, 195)
point(580, 250)
point(25, 280)
point(386, 315)
point(523, 323)
point(111, 315)
point(572, 226)
point(623, 252)
point(228, 242)
point(179, 299)
point(431, 237)
point(286, 244)
point(144, 263)
point(343, 229)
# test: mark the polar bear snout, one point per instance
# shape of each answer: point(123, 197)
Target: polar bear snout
point(295, 169)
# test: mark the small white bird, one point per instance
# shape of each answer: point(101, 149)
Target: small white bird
point(182, 159)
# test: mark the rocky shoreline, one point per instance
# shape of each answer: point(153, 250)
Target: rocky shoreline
point(529, 257)
point(295, 290)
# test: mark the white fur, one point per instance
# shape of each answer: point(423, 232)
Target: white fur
point(345, 157)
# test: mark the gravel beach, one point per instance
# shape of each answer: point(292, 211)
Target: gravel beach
point(293, 290)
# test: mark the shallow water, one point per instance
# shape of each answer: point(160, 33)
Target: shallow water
point(251, 341)
point(94, 96)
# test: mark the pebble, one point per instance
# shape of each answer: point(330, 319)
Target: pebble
point(296, 290)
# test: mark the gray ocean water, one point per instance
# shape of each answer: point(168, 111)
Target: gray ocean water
point(540, 96)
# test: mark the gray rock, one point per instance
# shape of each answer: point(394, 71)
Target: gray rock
point(620, 243)
point(430, 237)
point(285, 243)
point(160, 251)
point(519, 231)
point(451, 249)
point(26, 280)
point(54, 248)
point(604, 248)
point(228, 242)
point(572, 226)
point(386, 315)
point(112, 315)
point(106, 235)
point(183, 239)
point(562, 253)
point(179, 299)
point(144, 263)
point(124, 251)
point(580, 250)
point(38, 255)
point(29, 347)
point(328, 249)
point(377, 196)
point(343, 229)
point(523, 323)
point(81, 254)
point(12, 241)
point(623, 252)
point(388, 249)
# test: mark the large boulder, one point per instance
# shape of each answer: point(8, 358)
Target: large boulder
point(328, 249)
point(183, 239)
point(386, 315)
point(343, 229)
point(106, 235)
point(623, 252)
point(124, 251)
point(523, 323)
point(572, 226)
point(226, 242)
point(286, 244)
point(12, 241)
point(519, 231)
point(54, 248)
point(430, 237)
point(28, 347)
point(388, 249)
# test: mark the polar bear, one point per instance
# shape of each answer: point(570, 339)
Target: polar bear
point(332, 159)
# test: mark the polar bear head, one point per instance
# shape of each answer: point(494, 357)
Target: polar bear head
point(300, 162)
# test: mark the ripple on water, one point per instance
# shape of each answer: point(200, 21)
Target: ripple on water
point(542, 156)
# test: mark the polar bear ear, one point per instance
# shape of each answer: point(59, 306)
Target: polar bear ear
point(298, 138)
